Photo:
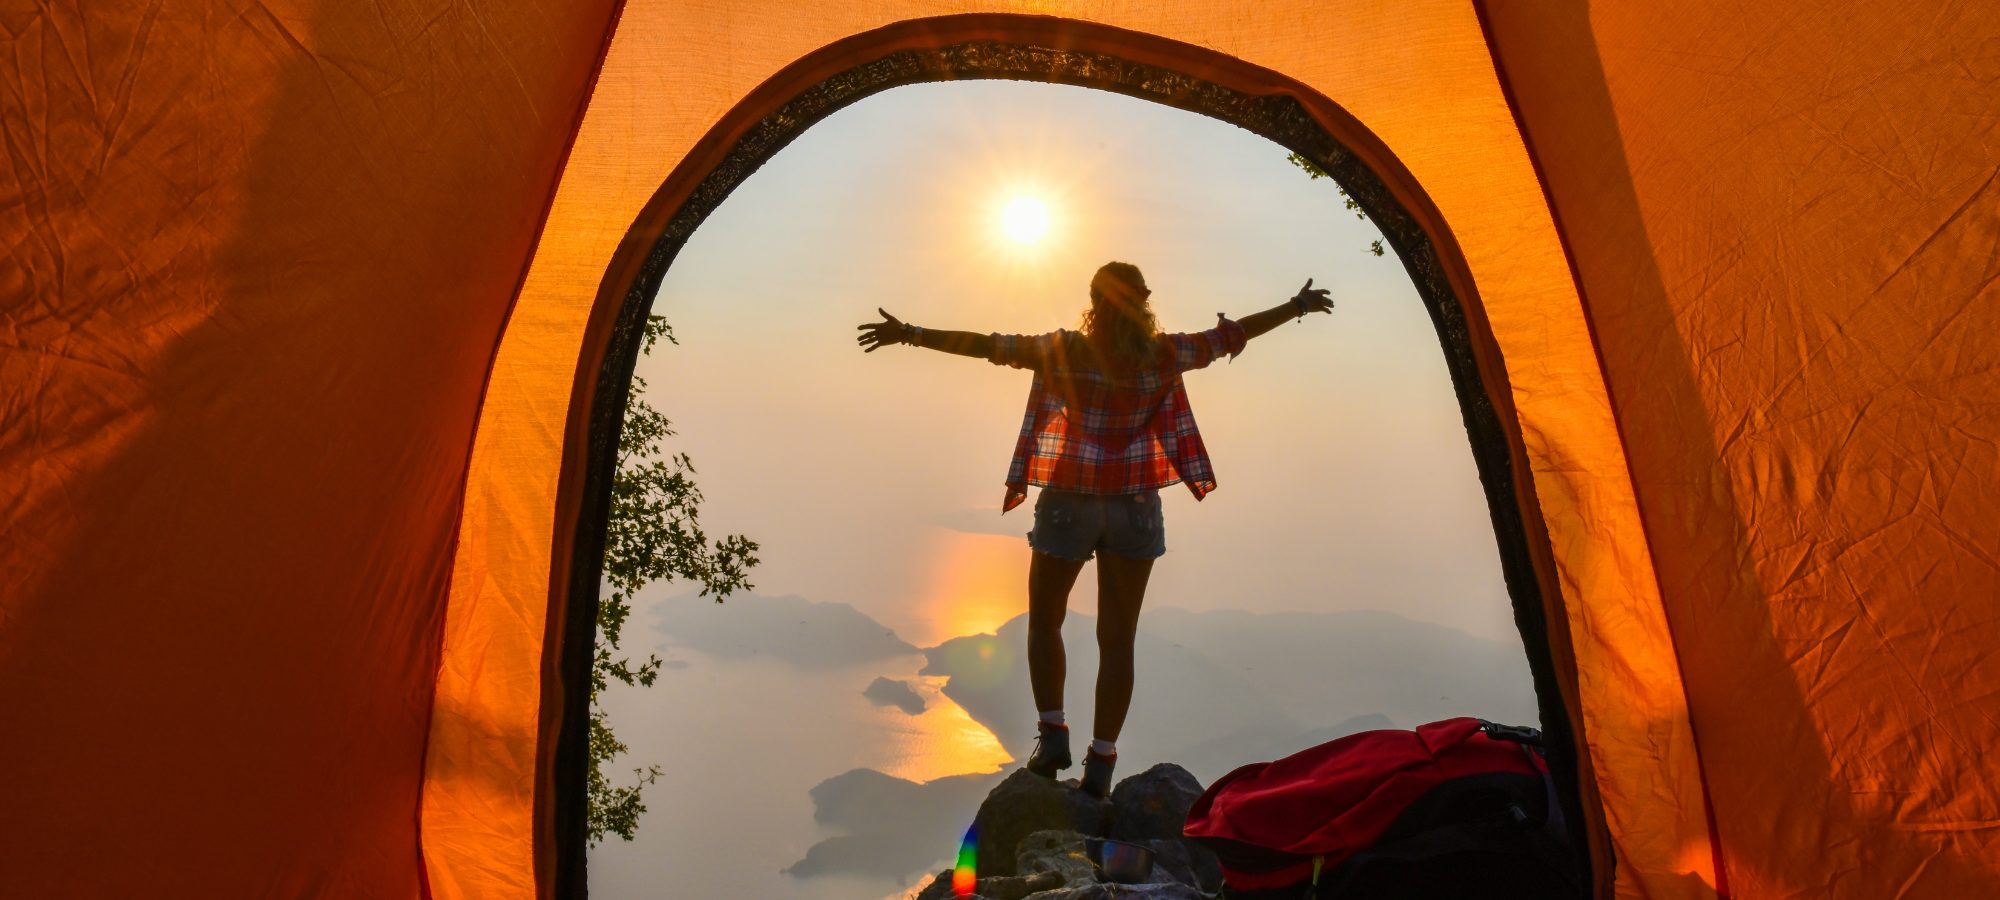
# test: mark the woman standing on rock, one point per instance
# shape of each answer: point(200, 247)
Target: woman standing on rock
point(1107, 426)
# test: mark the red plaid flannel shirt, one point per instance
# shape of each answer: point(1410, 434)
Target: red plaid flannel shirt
point(1097, 433)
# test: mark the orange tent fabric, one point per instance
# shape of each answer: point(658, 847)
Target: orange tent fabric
point(1787, 231)
point(257, 261)
point(305, 303)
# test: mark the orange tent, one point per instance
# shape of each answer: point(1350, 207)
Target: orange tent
point(315, 316)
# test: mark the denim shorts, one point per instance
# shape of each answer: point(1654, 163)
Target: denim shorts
point(1074, 526)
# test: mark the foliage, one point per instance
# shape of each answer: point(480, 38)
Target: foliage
point(1354, 206)
point(654, 534)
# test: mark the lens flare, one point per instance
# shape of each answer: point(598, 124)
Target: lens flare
point(965, 875)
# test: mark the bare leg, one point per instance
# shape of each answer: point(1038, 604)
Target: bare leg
point(1121, 588)
point(1049, 581)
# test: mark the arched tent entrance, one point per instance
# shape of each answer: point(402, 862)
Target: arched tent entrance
point(1279, 117)
point(1647, 707)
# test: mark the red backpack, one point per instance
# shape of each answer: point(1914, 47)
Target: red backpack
point(1452, 807)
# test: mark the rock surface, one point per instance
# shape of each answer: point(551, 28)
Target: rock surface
point(1008, 887)
point(1059, 852)
point(1153, 804)
point(1026, 803)
point(1033, 840)
point(1186, 862)
point(938, 889)
point(1151, 808)
point(1168, 891)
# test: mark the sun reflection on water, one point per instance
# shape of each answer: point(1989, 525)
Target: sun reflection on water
point(941, 741)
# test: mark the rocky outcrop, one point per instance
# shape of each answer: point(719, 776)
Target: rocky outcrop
point(1033, 839)
point(1150, 808)
point(1005, 887)
point(1153, 804)
point(1182, 861)
point(1060, 853)
point(886, 691)
point(1167, 891)
point(1026, 803)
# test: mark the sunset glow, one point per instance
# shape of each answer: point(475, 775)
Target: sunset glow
point(974, 584)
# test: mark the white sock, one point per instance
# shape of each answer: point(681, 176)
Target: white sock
point(1103, 747)
point(1052, 716)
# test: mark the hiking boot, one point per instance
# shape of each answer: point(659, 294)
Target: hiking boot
point(1051, 750)
point(1097, 774)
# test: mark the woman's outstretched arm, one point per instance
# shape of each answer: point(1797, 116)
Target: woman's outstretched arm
point(1308, 300)
point(892, 330)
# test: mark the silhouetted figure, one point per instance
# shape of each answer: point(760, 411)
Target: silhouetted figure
point(1107, 426)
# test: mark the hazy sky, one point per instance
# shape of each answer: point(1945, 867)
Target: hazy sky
point(1345, 478)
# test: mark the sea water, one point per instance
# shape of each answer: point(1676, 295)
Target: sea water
point(741, 742)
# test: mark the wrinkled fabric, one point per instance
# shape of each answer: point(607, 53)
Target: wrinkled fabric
point(1786, 224)
point(254, 262)
point(303, 306)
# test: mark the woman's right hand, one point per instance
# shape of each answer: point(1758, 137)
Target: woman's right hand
point(876, 335)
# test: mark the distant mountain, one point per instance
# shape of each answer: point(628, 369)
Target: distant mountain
point(886, 691)
point(1219, 689)
point(1181, 697)
point(1215, 690)
point(1225, 752)
point(1325, 667)
point(894, 827)
point(806, 634)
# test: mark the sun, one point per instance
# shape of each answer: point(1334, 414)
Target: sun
point(1025, 220)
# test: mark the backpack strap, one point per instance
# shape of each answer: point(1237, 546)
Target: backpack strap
point(1553, 820)
point(1529, 740)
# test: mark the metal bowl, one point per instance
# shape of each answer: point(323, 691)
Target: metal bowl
point(1121, 862)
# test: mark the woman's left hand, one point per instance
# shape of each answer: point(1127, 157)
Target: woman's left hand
point(876, 335)
point(1310, 300)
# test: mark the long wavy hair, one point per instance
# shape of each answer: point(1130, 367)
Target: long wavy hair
point(1120, 323)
